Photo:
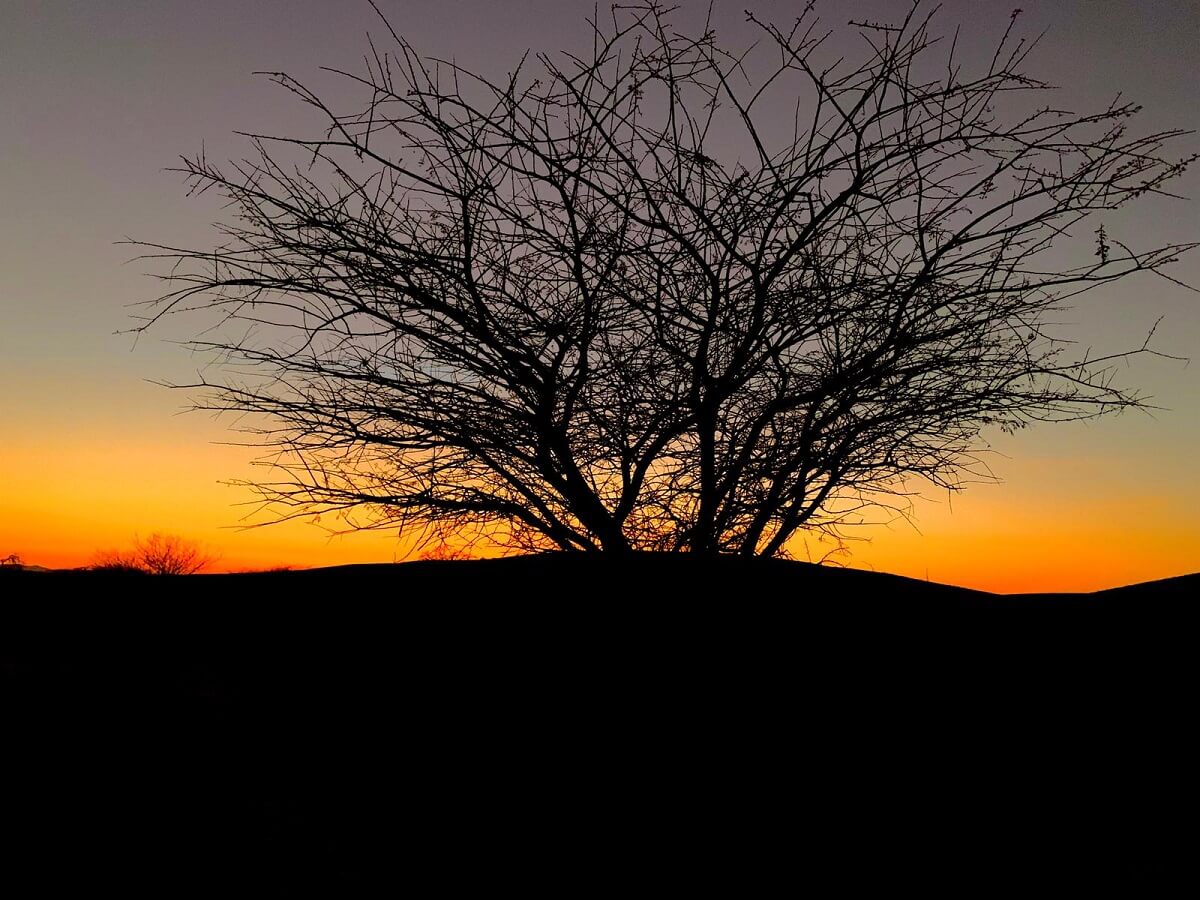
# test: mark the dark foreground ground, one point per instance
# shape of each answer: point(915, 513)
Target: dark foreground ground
point(730, 726)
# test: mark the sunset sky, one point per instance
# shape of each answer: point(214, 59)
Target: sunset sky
point(99, 97)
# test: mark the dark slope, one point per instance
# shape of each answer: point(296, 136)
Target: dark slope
point(658, 577)
point(1185, 588)
point(558, 723)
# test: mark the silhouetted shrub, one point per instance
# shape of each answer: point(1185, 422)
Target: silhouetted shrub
point(159, 554)
point(445, 551)
point(117, 568)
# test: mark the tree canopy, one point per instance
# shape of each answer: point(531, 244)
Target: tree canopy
point(614, 301)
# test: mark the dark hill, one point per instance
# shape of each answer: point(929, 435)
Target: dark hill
point(562, 721)
point(669, 576)
point(658, 577)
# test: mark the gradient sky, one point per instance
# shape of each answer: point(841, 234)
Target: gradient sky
point(99, 97)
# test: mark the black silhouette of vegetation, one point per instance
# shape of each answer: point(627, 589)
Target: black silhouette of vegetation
point(159, 554)
point(115, 563)
point(618, 303)
point(445, 552)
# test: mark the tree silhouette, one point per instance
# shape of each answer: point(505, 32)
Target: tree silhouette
point(622, 304)
point(445, 552)
point(159, 554)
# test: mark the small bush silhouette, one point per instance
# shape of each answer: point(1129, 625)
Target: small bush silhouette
point(159, 554)
point(444, 551)
point(113, 561)
point(11, 563)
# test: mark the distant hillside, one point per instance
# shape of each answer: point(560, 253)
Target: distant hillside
point(724, 571)
point(653, 576)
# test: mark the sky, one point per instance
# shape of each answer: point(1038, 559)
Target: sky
point(99, 98)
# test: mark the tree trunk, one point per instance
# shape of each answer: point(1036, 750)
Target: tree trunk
point(704, 538)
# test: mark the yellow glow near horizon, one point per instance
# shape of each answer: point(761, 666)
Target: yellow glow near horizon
point(67, 497)
point(992, 544)
point(70, 501)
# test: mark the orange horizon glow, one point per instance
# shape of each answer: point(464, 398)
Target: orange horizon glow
point(1039, 531)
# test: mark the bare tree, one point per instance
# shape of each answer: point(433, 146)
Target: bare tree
point(159, 554)
point(168, 554)
point(617, 303)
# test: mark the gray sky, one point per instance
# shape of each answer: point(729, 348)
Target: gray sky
point(98, 97)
